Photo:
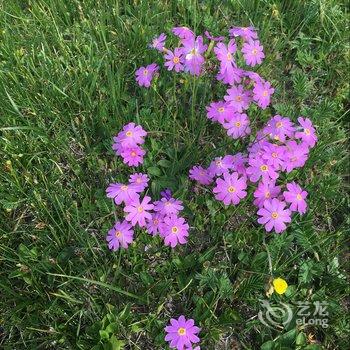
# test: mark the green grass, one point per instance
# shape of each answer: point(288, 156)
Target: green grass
point(67, 86)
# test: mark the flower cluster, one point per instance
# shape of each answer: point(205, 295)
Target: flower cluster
point(127, 144)
point(160, 217)
point(279, 147)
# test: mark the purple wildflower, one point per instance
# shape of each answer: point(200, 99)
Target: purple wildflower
point(273, 215)
point(265, 191)
point(279, 128)
point(219, 111)
point(247, 33)
point(158, 42)
point(174, 60)
point(174, 229)
point(121, 235)
point(139, 211)
point(181, 333)
point(238, 126)
point(296, 197)
point(123, 193)
point(201, 175)
point(131, 135)
point(239, 163)
point(230, 76)
point(274, 155)
point(166, 193)
point(220, 165)
point(144, 75)
point(139, 180)
point(308, 135)
point(238, 98)
point(258, 168)
point(296, 155)
point(133, 156)
point(193, 48)
point(230, 189)
point(253, 52)
point(182, 32)
point(168, 206)
point(262, 93)
point(154, 224)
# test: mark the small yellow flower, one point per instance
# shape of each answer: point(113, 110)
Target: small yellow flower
point(280, 285)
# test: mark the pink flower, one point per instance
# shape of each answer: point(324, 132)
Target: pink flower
point(238, 98)
point(274, 155)
point(214, 38)
point(219, 111)
point(158, 42)
point(220, 165)
point(144, 75)
point(168, 206)
point(174, 59)
point(131, 135)
point(273, 215)
point(230, 76)
point(247, 33)
point(133, 156)
point(262, 93)
point(259, 169)
point(239, 163)
point(154, 224)
point(138, 212)
point(122, 193)
point(174, 230)
point(230, 189)
point(182, 32)
point(253, 52)
point(296, 197)
point(308, 134)
point(265, 191)
point(238, 126)
point(181, 333)
point(253, 76)
point(201, 175)
point(121, 235)
point(139, 180)
point(225, 54)
point(296, 155)
point(279, 128)
point(193, 49)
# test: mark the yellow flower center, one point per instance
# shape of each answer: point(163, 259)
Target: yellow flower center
point(140, 209)
point(277, 138)
point(231, 189)
point(145, 72)
point(254, 52)
point(193, 51)
point(239, 98)
point(229, 57)
point(155, 222)
point(299, 197)
point(218, 163)
point(265, 93)
point(244, 28)
point(167, 204)
point(174, 229)
point(176, 60)
point(221, 109)
point(307, 131)
point(124, 188)
point(264, 167)
point(274, 155)
point(202, 173)
point(138, 180)
point(133, 154)
point(237, 124)
point(280, 285)
point(118, 234)
point(274, 215)
point(267, 194)
point(279, 125)
point(181, 331)
point(128, 133)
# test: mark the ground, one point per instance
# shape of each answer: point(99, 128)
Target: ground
point(67, 87)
